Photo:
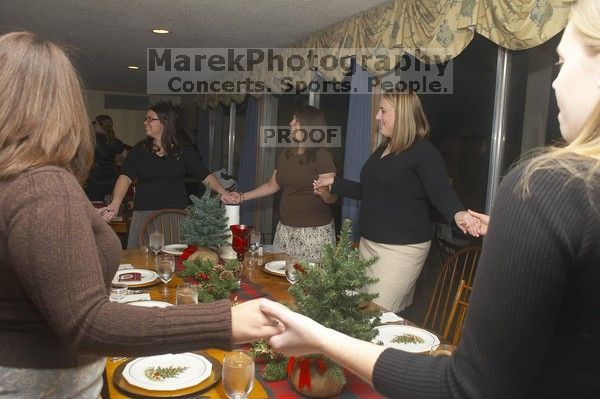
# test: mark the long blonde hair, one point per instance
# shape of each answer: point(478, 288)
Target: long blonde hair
point(585, 17)
point(43, 119)
point(410, 124)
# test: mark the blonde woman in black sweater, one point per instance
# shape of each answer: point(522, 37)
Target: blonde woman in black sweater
point(399, 183)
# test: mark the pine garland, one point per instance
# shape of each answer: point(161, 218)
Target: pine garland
point(214, 281)
point(206, 225)
point(275, 370)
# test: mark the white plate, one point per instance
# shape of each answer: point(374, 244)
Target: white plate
point(151, 304)
point(147, 276)
point(174, 249)
point(387, 333)
point(198, 369)
point(276, 267)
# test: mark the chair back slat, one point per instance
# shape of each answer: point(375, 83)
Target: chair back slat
point(460, 266)
point(454, 324)
point(167, 221)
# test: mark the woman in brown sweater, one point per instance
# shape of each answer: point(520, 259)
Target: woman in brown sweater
point(58, 255)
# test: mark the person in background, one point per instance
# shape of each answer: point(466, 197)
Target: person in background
point(399, 182)
point(58, 255)
point(532, 327)
point(158, 166)
point(103, 174)
point(305, 221)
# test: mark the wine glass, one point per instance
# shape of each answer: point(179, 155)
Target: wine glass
point(255, 241)
point(291, 270)
point(165, 267)
point(157, 240)
point(238, 375)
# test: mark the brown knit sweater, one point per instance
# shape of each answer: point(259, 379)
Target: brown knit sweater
point(57, 257)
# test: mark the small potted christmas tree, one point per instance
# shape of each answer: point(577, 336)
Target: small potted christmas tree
point(333, 294)
point(205, 227)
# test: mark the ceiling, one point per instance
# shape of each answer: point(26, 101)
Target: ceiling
point(106, 36)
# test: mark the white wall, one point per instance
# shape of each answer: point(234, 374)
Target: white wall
point(128, 124)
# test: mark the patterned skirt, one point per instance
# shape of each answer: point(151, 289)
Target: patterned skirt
point(304, 243)
point(84, 382)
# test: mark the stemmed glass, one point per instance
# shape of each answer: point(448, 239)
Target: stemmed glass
point(157, 241)
point(240, 241)
point(165, 267)
point(238, 375)
point(291, 270)
point(255, 240)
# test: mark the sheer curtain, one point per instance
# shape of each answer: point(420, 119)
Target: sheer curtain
point(358, 142)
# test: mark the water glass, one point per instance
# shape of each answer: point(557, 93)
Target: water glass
point(186, 294)
point(442, 350)
point(238, 375)
point(117, 292)
point(291, 270)
point(165, 267)
point(157, 241)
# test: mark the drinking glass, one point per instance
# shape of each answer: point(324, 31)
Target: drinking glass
point(165, 267)
point(145, 250)
point(238, 375)
point(186, 294)
point(255, 241)
point(442, 350)
point(157, 241)
point(117, 291)
point(291, 270)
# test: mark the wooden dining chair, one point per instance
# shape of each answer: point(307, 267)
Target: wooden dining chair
point(460, 266)
point(453, 330)
point(167, 221)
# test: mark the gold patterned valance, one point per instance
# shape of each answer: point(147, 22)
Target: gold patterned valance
point(426, 29)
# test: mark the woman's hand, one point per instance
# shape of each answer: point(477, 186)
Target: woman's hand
point(483, 220)
point(299, 335)
point(467, 223)
point(249, 323)
point(231, 198)
point(109, 212)
point(323, 181)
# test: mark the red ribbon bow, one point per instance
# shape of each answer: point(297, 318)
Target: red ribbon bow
point(304, 365)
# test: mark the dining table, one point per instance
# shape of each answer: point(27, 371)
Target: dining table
point(255, 283)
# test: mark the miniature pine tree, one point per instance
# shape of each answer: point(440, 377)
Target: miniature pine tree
point(333, 293)
point(206, 225)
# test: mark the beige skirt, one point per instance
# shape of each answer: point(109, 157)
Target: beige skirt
point(397, 269)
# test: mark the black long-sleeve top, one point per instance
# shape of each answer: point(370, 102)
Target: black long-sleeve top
point(533, 324)
point(396, 192)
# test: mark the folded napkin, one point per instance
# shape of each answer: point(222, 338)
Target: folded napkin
point(135, 276)
point(124, 266)
point(134, 298)
point(389, 317)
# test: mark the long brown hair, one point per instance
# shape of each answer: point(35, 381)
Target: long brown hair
point(43, 119)
point(308, 116)
point(106, 123)
point(585, 17)
point(410, 124)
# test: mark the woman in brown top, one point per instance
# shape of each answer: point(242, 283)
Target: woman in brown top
point(305, 222)
point(58, 255)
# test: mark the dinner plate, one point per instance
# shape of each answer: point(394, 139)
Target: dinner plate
point(149, 277)
point(151, 304)
point(186, 369)
point(387, 333)
point(174, 249)
point(276, 267)
point(130, 390)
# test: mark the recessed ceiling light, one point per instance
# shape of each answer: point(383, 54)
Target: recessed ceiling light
point(133, 67)
point(161, 31)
